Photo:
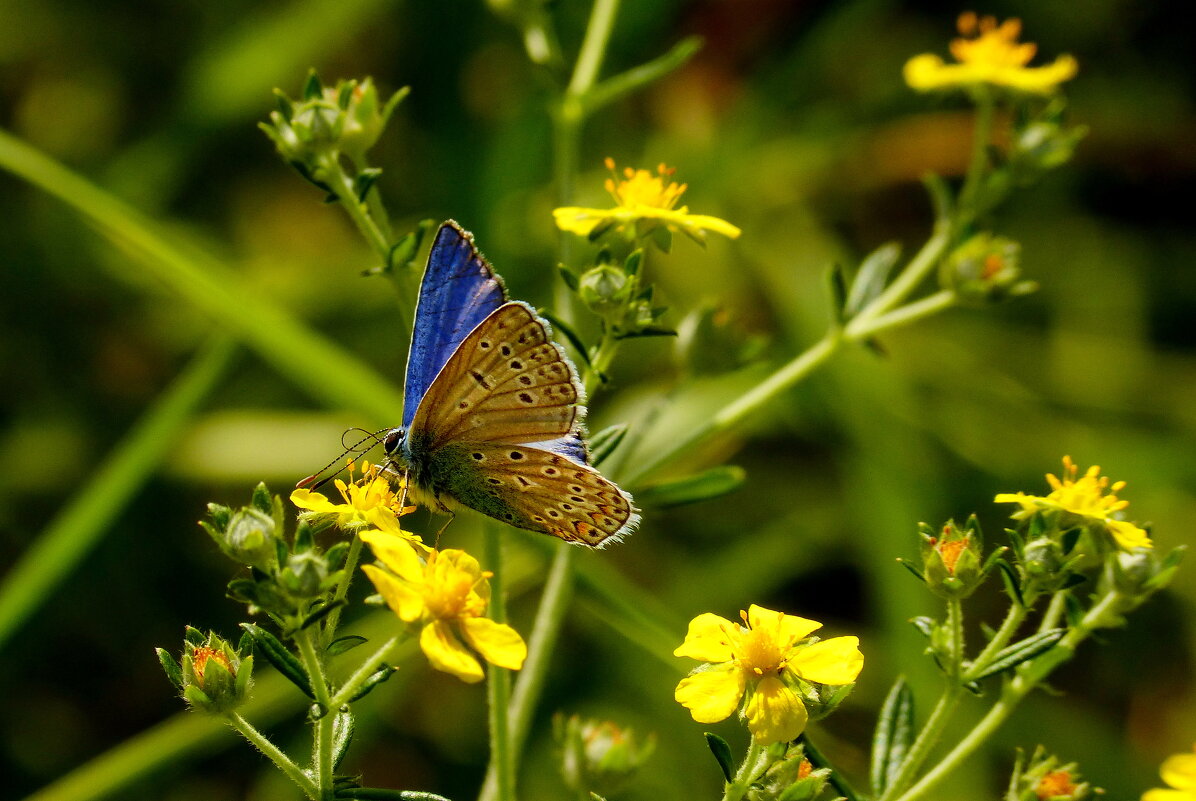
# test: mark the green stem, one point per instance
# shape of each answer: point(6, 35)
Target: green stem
point(1013, 618)
point(755, 761)
point(977, 164)
point(818, 760)
point(322, 747)
point(88, 515)
point(366, 669)
point(342, 589)
point(923, 262)
point(1027, 678)
point(600, 362)
point(732, 414)
point(593, 47)
point(273, 753)
point(550, 616)
point(498, 687)
point(1050, 618)
point(375, 208)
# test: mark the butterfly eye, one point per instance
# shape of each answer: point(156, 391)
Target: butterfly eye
point(392, 440)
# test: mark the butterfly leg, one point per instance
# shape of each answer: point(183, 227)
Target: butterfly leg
point(452, 516)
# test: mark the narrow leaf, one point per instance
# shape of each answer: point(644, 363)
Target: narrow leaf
point(344, 644)
point(604, 443)
point(194, 636)
point(313, 89)
point(170, 667)
point(894, 733)
point(381, 794)
point(342, 735)
point(872, 276)
point(1014, 655)
point(277, 655)
point(558, 324)
point(911, 568)
point(624, 83)
point(382, 674)
point(1012, 582)
point(321, 613)
point(569, 277)
point(923, 624)
point(713, 483)
point(365, 180)
point(722, 754)
point(836, 291)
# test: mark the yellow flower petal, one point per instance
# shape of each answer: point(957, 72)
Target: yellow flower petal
point(446, 653)
point(707, 639)
point(312, 501)
point(395, 552)
point(784, 629)
point(577, 220)
point(1128, 535)
point(403, 599)
point(498, 643)
point(1179, 771)
point(774, 713)
point(834, 661)
point(711, 695)
point(1159, 794)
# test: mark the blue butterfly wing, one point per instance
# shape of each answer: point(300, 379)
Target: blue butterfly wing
point(571, 446)
point(459, 290)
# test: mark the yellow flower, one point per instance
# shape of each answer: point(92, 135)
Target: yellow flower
point(990, 54)
point(1179, 771)
point(766, 657)
point(1089, 496)
point(644, 200)
point(446, 596)
point(361, 495)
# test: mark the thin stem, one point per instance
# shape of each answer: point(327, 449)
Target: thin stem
point(927, 738)
point(593, 47)
point(818, 760)
point(1050, 618)
point(366, 669)
point(322, 747)
point(273, 753)
point(498, 686)
point(754, 763)
point(955, 623)
point(919, 266)
point(374, 205)
point(1013, 618)
point(342, 589)
point(978, 162)
point(1028, 677)
point(600, 363)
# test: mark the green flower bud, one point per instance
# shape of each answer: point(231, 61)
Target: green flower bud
point(951, 560)
point(215, 678)
point(305, 575)
point(1044, 779)
point(1136, 575)
point(250, 538)
point(790, 778)
point(605, 289)
point(598, 756)
point(985, 269)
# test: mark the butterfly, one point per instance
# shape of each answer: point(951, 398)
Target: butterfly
point(492, 409)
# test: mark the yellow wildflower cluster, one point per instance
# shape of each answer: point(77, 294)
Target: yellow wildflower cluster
point(1090, 496)
point(767, 658)
point(988, 53)
point(642, 199)
point(369, 500)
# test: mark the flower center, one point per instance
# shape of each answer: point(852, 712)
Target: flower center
point(1090, 495)
point(1055, 784)
point(200, 657)
point(642, 188)
point(985, 42)
point(758, 652)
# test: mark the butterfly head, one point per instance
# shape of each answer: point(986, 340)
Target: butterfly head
point(393, 443)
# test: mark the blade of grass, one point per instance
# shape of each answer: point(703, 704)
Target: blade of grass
point(86, 518)
point(327, 372)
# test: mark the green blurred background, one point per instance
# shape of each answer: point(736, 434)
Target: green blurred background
point(794, 124)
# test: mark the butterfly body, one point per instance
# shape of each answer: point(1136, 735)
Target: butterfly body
point(493, 411)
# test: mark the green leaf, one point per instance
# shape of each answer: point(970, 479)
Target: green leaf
point(304, 538)
point(335, 556)
point(1012, 656)
point(604, 443)
point(1074, 610)
point(245, 645)
point(1069, 539)
point(364, 181)
point(648, 331)
point(569, 277)
point(836, 291)
point(925, 625)
point(871, 278)
point(380, 794)
point(194, 636)
point(663, 238)
point(170, 667)
point(382, 674)
point(1012, 582)
point(894, 733)
point(277, 655)
point(345, 95)
point(722, 754)
point(344, 644)
point(558, 324)
point(342, 735)
point(911, 568)
point(321, 613)
point(313, 88)
point(624, 83)
point(632, 265)
point(713, 483)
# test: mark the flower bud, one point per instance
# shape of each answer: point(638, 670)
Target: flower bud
point(215, 678)
point(1044, 779)
point(598, 756)
point(305, 575)
point(1138, 574)
point(792, 778)
point(985, 269)
point(248, 536)
point(951, 561)
point(604, 289)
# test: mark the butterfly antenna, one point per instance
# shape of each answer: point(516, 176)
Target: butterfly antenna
point(310, 481)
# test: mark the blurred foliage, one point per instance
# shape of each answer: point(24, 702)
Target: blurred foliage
point(793, 122)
